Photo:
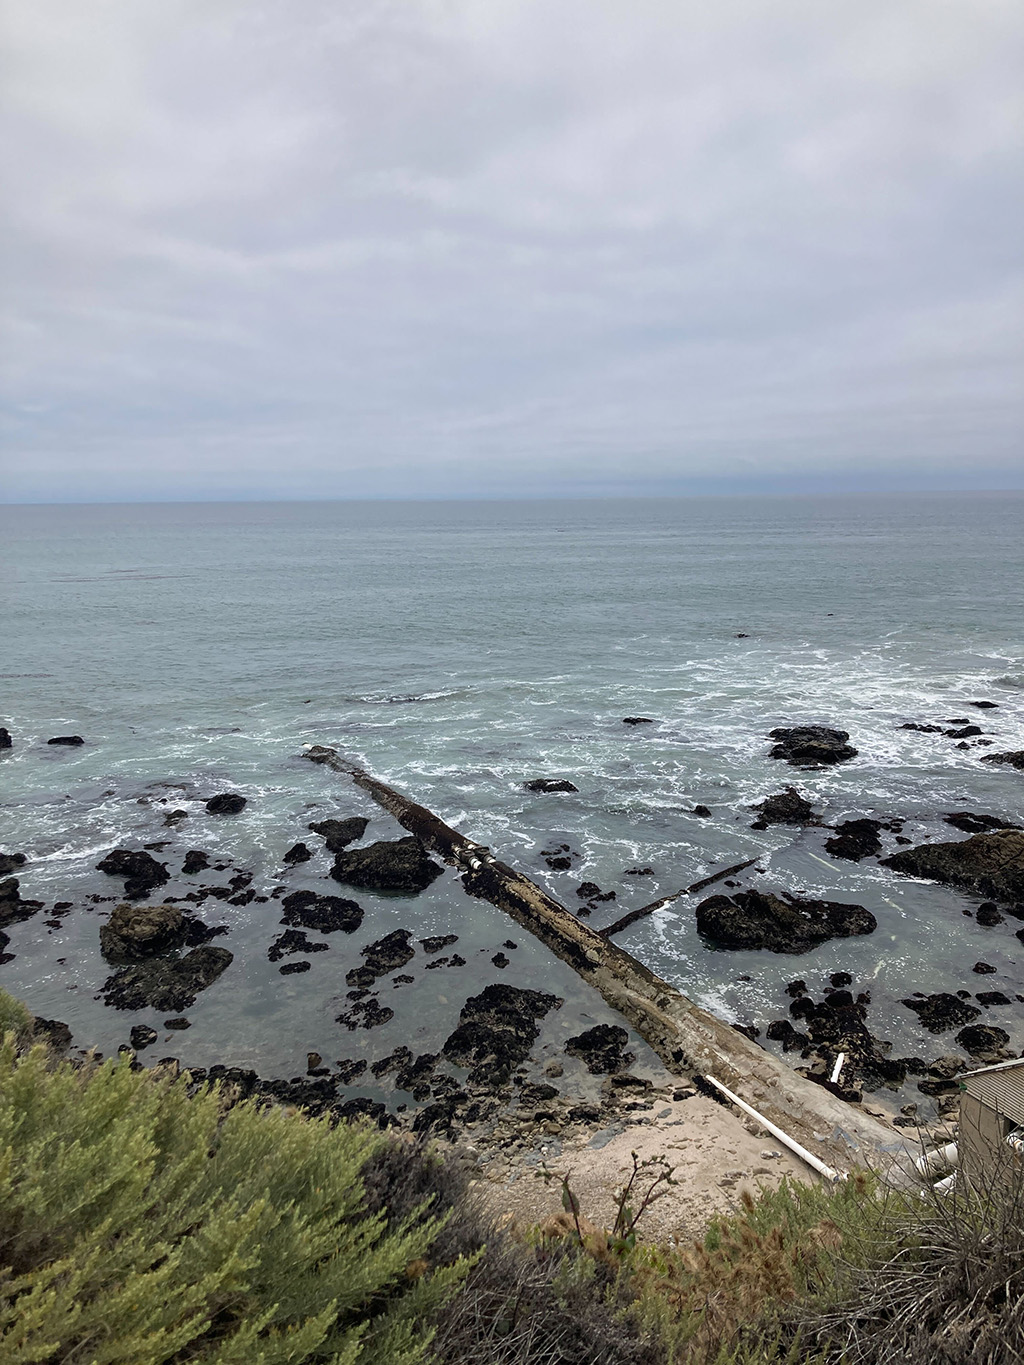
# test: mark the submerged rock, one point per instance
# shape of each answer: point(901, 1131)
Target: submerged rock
point(786, 808)
point(293, 941)
point(987, 864)
point(1014, 759)
point(437, 942)
point(226, 803)
point(195, 861)
point(388, 865)
point(855, 839)
point(166, 985)
point(942, 1011)
point(141, 871)
point(388, 953)
point(550, 784)
point(758, 919)
point(324, 914)
point(971, 823)
point(338, 834)
point(804, 745)
point(496, 1031)
point(602, 1048)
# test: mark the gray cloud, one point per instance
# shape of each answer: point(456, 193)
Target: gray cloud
point(511, 247)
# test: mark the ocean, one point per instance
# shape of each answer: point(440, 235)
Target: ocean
point(460, 649)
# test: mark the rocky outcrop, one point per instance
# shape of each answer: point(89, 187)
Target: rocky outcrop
point(298, 853)
point(855, 839)
point(602, 1048)
point(496, 1031)
point(437, 942)
point(757, 919)
point(293, 941)
point(550, 784)
point(812, 745)
point(195, 861)
point(388, 865)
point(166, 985)
point(5, 738)
point(388, 953)
point(942, 1011)
point(838, 1023)
point(141, 1036)
point(323, 914)
point(139, 931)
point(67, 741)
point(1014, 759)
point(637, 720)
point(989, 865)
point(338, 834)
point(972, 823)
point(141, 871)
point(985, 1043)
point(10, 861)
point(785, 808)
point(13, 908)
point(226, 803)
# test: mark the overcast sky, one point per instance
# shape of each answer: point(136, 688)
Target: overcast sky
point(330, 248)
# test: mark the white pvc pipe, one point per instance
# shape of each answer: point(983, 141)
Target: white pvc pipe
point(838, 1067)
point(782, 1137)
point(942, 1159)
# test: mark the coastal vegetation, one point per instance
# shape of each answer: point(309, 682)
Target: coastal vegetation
point(144, 1218)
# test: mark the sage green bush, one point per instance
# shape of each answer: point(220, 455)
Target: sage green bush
point(139, 1224)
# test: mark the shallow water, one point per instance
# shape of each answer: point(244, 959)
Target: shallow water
point(457, 649)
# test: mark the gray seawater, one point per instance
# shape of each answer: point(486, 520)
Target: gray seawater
point(458, 649)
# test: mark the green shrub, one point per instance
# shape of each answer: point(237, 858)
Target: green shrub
point(14, 1017)
point(140, 1226)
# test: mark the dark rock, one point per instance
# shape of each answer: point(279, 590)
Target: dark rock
point(5, 738)
point(984, 1042)
point(786, 808)
point(925, 729)
point(53, 1032)
point(179, 1023)
point(9, 861)
point(966, 732)
point(550, 784)
point(500, 960)
point(402, 980)
point(323, 914)
point(141, 871)
point(1015, 758)
point(990, 998)
point(756, 919)
point(602, 1048)
point(590, 891)
point(69, 741)
point(175, 817)
point(559, 863)
point(988, 916)
point(639, 872)
point(439, 941)
point(976, 824)
point(139, 931)
point(457, 961)
point(942, 1011)
point(496, 1031)
point(805, 745)
point(295, 968)
point(388, 953)
point(226, 803)
point(298, 853)
point(983, 969)
point(164, 984)
point(13, 909)
point(840, 979)
point(987, 864)
point(338, 834)
point(388, 865)
point(368, 1013)
point(313, 1062)
point(855, 839)
point(985, 705)
point(360, 977)
point(349, 1069)
point(401, 1056)
point(512, 947)
point(195, 861)
point(293, 941)
point(637, 720)
point(782, 1031)
point(704, 812)
point(142, 1036)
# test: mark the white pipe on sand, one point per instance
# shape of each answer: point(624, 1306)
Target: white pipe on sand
point(941, 1159)
point(782, 1137)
